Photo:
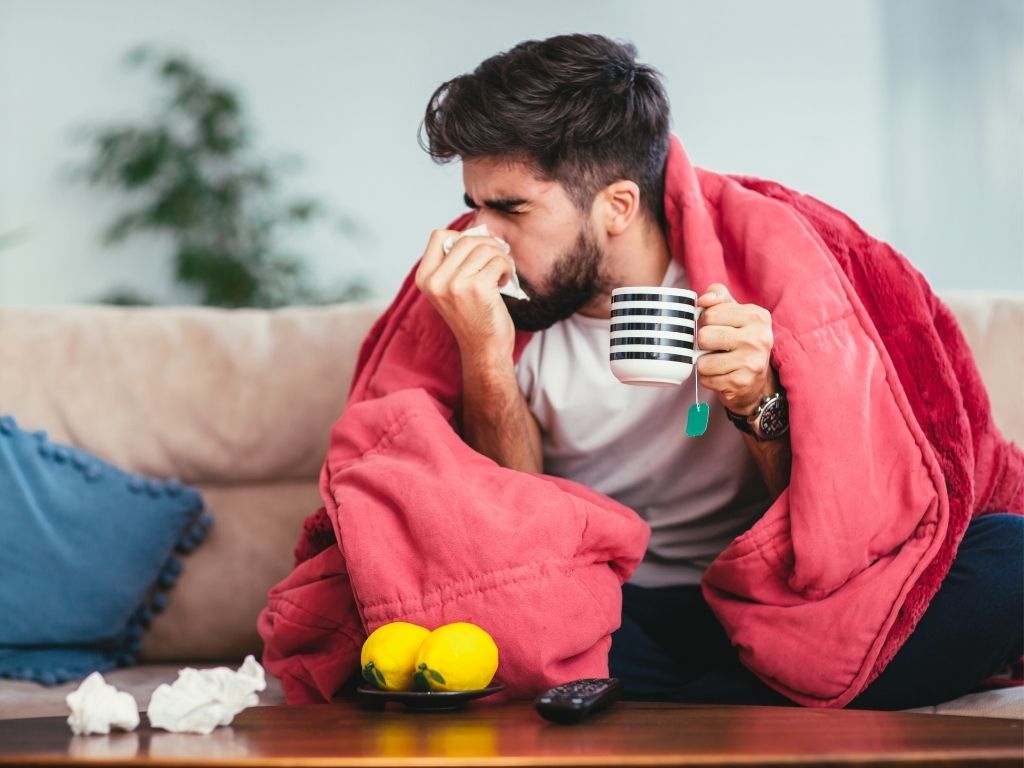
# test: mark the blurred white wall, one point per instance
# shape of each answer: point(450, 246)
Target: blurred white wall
point(907, 115)
point(956, 138)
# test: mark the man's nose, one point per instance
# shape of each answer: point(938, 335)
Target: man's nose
point(491, 220)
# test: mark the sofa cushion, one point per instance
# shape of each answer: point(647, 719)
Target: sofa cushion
point(238, 403)
point(993, 324)
point(1000, 702)
point(207, 395)
point(84, 547)
point(212, 617)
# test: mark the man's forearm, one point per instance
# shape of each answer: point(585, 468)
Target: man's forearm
point(774, 458)
point(496, 420)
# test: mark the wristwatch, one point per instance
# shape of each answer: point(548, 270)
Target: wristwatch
point(769, 421)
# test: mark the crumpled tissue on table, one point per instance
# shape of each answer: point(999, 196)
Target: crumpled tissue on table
point(97, 705)
point(511, 288)
point(200, 700)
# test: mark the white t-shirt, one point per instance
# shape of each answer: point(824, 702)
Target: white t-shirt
point(630, 443)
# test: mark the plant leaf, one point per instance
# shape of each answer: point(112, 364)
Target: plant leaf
point(367, 673)
point(190, 176)
point(419, 682)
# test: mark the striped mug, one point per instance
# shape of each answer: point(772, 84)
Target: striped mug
point(653, 335)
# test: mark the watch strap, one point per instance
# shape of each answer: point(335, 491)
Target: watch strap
point(775, 404)
point(740, 422)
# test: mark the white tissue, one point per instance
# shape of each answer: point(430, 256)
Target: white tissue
point(511, 288)
point(199, 701)
point(96, 706)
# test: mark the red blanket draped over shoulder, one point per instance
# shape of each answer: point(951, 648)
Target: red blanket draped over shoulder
point(894, 451)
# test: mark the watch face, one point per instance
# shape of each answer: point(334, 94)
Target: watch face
point(774, 419)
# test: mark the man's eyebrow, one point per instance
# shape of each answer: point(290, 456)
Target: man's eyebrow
point(503, 204)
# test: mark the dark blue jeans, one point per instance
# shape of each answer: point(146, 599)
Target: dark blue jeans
point(671, 647)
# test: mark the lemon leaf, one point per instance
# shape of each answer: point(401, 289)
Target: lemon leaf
point(436, 675)
point(373, 676)
point(419, 682)
point(367, 673)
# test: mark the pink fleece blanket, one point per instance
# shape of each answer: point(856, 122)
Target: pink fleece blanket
point(894, 449)
point(419, 527)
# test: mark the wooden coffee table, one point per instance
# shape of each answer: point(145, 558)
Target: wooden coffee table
point(631, 733)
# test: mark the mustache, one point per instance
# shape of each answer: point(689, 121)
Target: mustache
point(576, 278)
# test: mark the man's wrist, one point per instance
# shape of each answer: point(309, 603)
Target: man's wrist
point(770, 387)
point(488, 370)
point(769, 418)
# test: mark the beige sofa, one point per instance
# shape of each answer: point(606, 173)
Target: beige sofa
point(240, 403)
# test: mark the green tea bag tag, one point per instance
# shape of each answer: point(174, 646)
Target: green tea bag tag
point(697, 417)
point(697, 420)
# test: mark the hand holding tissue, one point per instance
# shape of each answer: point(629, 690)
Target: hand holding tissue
point(510, 288)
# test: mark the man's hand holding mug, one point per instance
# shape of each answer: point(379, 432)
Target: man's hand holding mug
point(659, 334)
point(740, 335)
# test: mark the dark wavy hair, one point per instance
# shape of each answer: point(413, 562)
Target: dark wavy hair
point(578, 109)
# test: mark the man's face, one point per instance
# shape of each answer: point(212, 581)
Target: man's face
point(558, 258)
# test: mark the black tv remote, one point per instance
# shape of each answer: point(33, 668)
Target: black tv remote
point(573, 701)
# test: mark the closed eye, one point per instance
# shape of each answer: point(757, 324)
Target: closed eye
point(507, 205)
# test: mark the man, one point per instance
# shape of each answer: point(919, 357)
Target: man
point(849, 550)
point(563, 145)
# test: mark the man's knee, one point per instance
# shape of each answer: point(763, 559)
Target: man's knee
point(992, 553)
point(996, 537)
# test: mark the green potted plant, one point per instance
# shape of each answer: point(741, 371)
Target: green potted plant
point(191, 175)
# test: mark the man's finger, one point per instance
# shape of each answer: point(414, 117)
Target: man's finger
point(452, 264)
point(718, 338)
point(718, 364)
point(716, 293)
point(433, 255)
point(732, 385)
point(728, 313)
point(477, 263)
point(498, 270)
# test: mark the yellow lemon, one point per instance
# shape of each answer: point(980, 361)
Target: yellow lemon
point(389, 655)
point(456, 657)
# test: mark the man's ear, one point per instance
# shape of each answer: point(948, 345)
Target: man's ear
point(620, 203)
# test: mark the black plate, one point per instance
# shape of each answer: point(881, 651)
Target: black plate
point(427, 699)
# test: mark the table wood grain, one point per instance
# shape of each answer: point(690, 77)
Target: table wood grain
point(507, 734)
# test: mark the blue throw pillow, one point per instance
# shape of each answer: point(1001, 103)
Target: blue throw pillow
point(85, 552)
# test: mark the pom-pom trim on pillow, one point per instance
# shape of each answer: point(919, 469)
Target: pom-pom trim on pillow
point(122, 650)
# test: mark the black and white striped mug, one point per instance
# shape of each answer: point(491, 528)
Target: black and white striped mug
point(653, 335)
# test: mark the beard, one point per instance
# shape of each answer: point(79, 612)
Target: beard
point(576, 278)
